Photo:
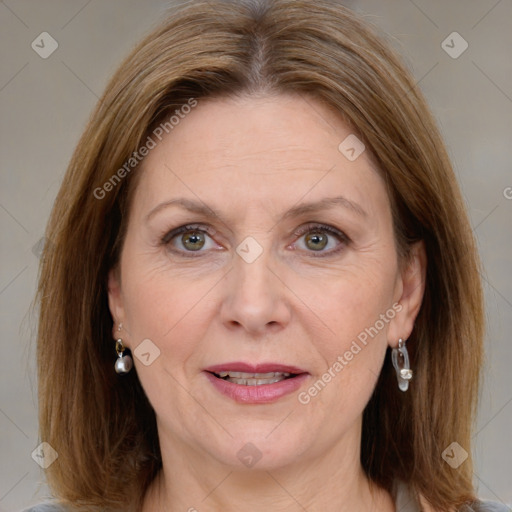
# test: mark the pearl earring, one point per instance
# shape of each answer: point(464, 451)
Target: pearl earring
point(124, 363)
point(403, 370)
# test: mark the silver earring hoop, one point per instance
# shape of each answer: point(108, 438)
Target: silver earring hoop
point(400, 360)
point(124, 362)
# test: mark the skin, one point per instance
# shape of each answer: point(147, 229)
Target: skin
point(251, 159)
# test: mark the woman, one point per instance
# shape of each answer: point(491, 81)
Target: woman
point(262, 288)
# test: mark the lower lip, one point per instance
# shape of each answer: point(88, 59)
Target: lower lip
point(263, 394)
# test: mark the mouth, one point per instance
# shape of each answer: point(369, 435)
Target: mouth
point(262, 383)
point(253, 379)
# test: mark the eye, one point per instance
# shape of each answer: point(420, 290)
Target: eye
point(194, 238)
point(319, 236)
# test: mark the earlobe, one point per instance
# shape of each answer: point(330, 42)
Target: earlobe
point(411, 290)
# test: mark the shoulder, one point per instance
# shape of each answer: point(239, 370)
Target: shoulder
point(487, 506)
point(479, 506)
point(46, 507)
point(406, 501)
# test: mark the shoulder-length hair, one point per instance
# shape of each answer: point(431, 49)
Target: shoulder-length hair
point(102, 426)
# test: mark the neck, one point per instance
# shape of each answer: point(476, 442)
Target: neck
point(334, 481)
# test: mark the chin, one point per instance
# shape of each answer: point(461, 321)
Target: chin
point(264, 449)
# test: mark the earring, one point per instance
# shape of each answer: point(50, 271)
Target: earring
point(124, 363)
point(403, 370)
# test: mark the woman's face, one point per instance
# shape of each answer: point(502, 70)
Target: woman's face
point(257, 244)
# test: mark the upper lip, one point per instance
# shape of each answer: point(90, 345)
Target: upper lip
point(254, 368)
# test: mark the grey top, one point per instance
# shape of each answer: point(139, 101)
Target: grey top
point(404, 502)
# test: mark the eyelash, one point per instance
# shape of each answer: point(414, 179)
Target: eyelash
point(304, 230)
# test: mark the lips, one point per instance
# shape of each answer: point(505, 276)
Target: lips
point(258, 368)
point(261, 383)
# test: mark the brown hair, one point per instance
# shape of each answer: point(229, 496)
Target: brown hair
point(103, 427)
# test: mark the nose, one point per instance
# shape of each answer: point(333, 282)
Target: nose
point(255, 297)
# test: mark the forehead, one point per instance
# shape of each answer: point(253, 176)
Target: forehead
point(260, 151)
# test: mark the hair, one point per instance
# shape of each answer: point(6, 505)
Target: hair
point(101, 425)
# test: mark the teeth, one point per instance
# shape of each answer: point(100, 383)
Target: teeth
point(253, 379)
point(243, 375)
point(254, 382)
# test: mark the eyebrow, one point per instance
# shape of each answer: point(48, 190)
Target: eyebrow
point(296, 211)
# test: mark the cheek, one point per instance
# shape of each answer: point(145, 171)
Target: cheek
point(164, 307)
point(349, 302)
point(352, 357)
point(356, 306)
point(166, 311)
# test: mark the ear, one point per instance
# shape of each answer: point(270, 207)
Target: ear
point(409, 291)
point(115, 299)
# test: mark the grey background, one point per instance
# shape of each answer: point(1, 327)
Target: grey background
point(44, 107)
